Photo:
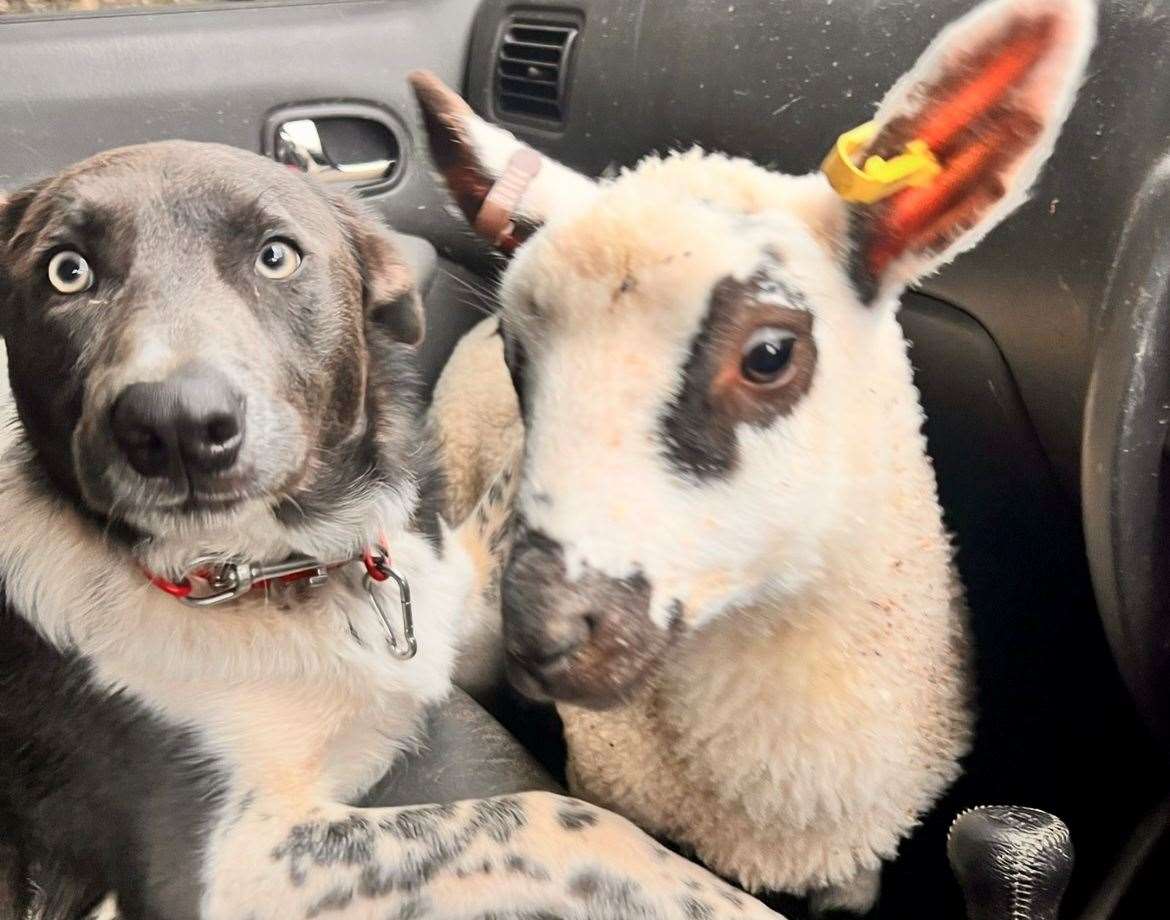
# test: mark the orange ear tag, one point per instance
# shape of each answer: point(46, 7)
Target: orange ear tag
point(877, 177)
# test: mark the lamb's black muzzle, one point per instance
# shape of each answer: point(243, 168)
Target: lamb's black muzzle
point(187, 427)
point(590, 640)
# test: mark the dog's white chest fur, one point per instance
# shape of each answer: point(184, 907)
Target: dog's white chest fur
point(305, 697)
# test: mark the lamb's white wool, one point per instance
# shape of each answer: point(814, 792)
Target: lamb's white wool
point(810, 701)
point(475, 438)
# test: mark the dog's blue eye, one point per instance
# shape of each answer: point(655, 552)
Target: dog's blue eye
point(767, 355)
point(278, 260)
point(69, 273)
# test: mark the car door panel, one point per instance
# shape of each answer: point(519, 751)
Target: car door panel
point(72, 85)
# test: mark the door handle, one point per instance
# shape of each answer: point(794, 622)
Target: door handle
point(299, 145)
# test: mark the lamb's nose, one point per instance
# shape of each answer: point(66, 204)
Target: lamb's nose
point(584, 640)
point(191, 423)
point(541, 629)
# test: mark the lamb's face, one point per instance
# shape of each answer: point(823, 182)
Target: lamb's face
point(684, 368)
point(697, 337)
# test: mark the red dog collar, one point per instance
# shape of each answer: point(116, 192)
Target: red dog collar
point(228, 581)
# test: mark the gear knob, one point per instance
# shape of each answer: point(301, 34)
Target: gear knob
point(1013, 863)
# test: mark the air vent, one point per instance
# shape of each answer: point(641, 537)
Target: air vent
point(532, 70)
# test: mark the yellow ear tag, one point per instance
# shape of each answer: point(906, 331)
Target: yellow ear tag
point(877, 178)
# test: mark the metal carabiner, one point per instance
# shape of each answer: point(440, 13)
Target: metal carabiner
point(405, 649)
point(231, 580)
point(227, 581)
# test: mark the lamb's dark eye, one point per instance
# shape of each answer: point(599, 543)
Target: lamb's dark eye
point(278, 259)
point(767, 356)
point(69, 273)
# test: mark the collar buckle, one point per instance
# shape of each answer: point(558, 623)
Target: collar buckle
point(229, 581)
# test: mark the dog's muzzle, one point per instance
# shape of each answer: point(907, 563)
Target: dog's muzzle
point(186, 428)
point(590, 641)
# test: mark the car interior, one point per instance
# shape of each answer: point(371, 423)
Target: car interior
point(1043, 357)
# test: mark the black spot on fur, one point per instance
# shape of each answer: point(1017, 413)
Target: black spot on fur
point(499, 818)
point(518, 865)
point(334, 899)
point(576, 818)
point(605, 895)
point(731, 897)
point(860, 228)
point(347, 842)
point(417, 823)
point(694, 909)
point(414, 909)
point(415, 868)
point(584, 884)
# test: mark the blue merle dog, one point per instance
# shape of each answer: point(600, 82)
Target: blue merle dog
point(213, 449)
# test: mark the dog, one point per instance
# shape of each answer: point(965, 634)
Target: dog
point(213, 473)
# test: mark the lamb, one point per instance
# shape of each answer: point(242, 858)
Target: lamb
point(730, 569)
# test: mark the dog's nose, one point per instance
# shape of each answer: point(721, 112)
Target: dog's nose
point(191, 423)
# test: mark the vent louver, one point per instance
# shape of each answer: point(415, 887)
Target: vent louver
point(532, 69)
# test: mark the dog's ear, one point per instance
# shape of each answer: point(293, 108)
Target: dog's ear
point(987, 99)
point(391, 297)
point(12, 210)
point(4, 200)
point(504, 187)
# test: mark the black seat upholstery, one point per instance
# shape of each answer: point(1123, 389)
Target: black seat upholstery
point(465, 754)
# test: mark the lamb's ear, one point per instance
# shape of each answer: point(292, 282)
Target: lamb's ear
point(988, 99)
point(388, 286)
point(504, 187)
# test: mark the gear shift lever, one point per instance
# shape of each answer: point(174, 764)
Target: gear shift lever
point(1013, 863)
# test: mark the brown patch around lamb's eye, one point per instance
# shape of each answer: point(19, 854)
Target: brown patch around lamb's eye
point(751, 362)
